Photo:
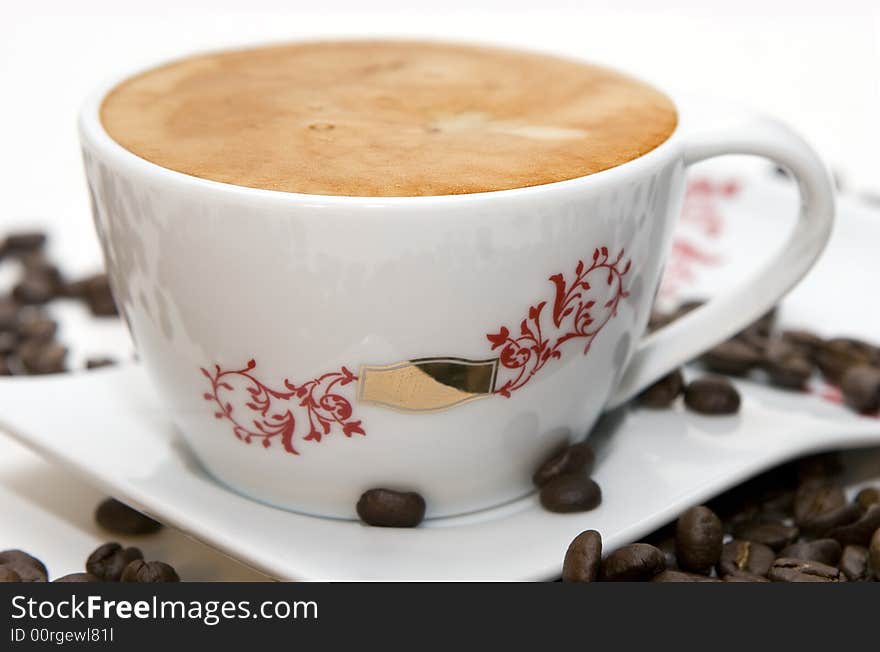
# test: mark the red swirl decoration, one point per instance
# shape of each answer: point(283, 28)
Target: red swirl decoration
point(266, 414)
point(575, 314)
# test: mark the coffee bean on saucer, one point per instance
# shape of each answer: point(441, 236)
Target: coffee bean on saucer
point(867, 497)
point(29, 568)
point(97, 363)
point(826, 551)
point(387, 508)
point(860, 531)
point(814, 498)
point(577, 458)
point(854, 563)
point(712, 395)
point(33, 289)
point(8, 342)
point(774, 535)
point(119, 518)
point(583, 558)
point(874, 553)
point(786, 364)
point(109, 560)
point(861, 387)
point(698, 537)
point(570, 493)
point(681, 576)
point(4, 366)
point(97, 294)
point(742, 576)
point(664, 392)
point(149, 572)
point(77, 577)
point(637, 562)
point(738, 556)
point(36, 326)
point(7, 574)
point(43, 357)
point(804, 340)
point(24, 241)
point(733, 357)
point(800, 570)
point(8, 313)
point(839, 354)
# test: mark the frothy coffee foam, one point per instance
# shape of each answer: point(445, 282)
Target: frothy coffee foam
point(374, 118)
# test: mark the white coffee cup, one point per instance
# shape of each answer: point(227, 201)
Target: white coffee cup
point(312, 347)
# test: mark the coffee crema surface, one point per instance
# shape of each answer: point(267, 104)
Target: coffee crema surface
point(386, 118)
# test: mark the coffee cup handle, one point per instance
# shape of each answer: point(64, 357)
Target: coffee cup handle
point(723, 316)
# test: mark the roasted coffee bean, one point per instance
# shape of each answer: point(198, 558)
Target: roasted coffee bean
point(825, 551)
point(800, 570)
point(874, 553)
point(33, 289)
point(577, 458)
point(777, 505)
point(8, 313)
point(8, 342)
point(822, 524)
point(774, 535)
point(583, 558)
point(387, 508)
point(570, 493)
point(740, 556)
point(742, 576)
point(149, 572)
point(698, 538)
point(867, 497)
point(820, 466)
point(29, 568)
point(786, 364)
point(806, 341)
point(4, 366)
point(861, 388)
point(7, 574)
point(109, 560)
point(36, 327)
point(97, 363)
point(814, 498)
point(43, 357)
point(854, 563)
point(664, 392)
point(667, 547)
point(637, 562)
point(681, 576)
point(97, 294)
point(25, 241)
point(764, 324)
point(78, 577)
point(712, 395)
point(733, 357)
point(119, 518)
point(859, 532)
point(839, 354)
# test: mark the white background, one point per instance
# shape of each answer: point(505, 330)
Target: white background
point(814, 64)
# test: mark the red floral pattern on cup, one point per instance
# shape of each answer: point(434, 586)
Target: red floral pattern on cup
point(267, 414)
point(574, 314)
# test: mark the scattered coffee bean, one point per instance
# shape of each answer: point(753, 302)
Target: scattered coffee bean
point(698, 536)
point(819, 467)
point(97, 363)
point(667, 547)
point(799, 570)
point(78, 577)
point(8, 313)
point(149, 572)
point(33, 289)
point(787, 365)
point(97, 294)
point(712, 395)
point(583, 558)
point(29, 568)
point(109, 560)
point(839, 354)
point(733, 357)
point(577, 458)
point(859, 532)
point(861, 388)
point(867, 497)
point(36, 327)
point(774, 535)
point(4, 366)
point(681, 576)
point(825, 551)
point(806, 341)
point(664, 392)
point(874, 553)
point(570, 493)
point(387, 508)
point(7, 574)
point(43, 357)
point(8, 342)
point(23, 242)
point(742, 576)
point(749, 557)
point(633, 563)
point(119, 518)
point(854, 563)
point(814, 498)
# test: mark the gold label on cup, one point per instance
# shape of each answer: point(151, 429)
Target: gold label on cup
point(427, 384)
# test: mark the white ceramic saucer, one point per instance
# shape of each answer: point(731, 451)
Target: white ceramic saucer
point(108, 426)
